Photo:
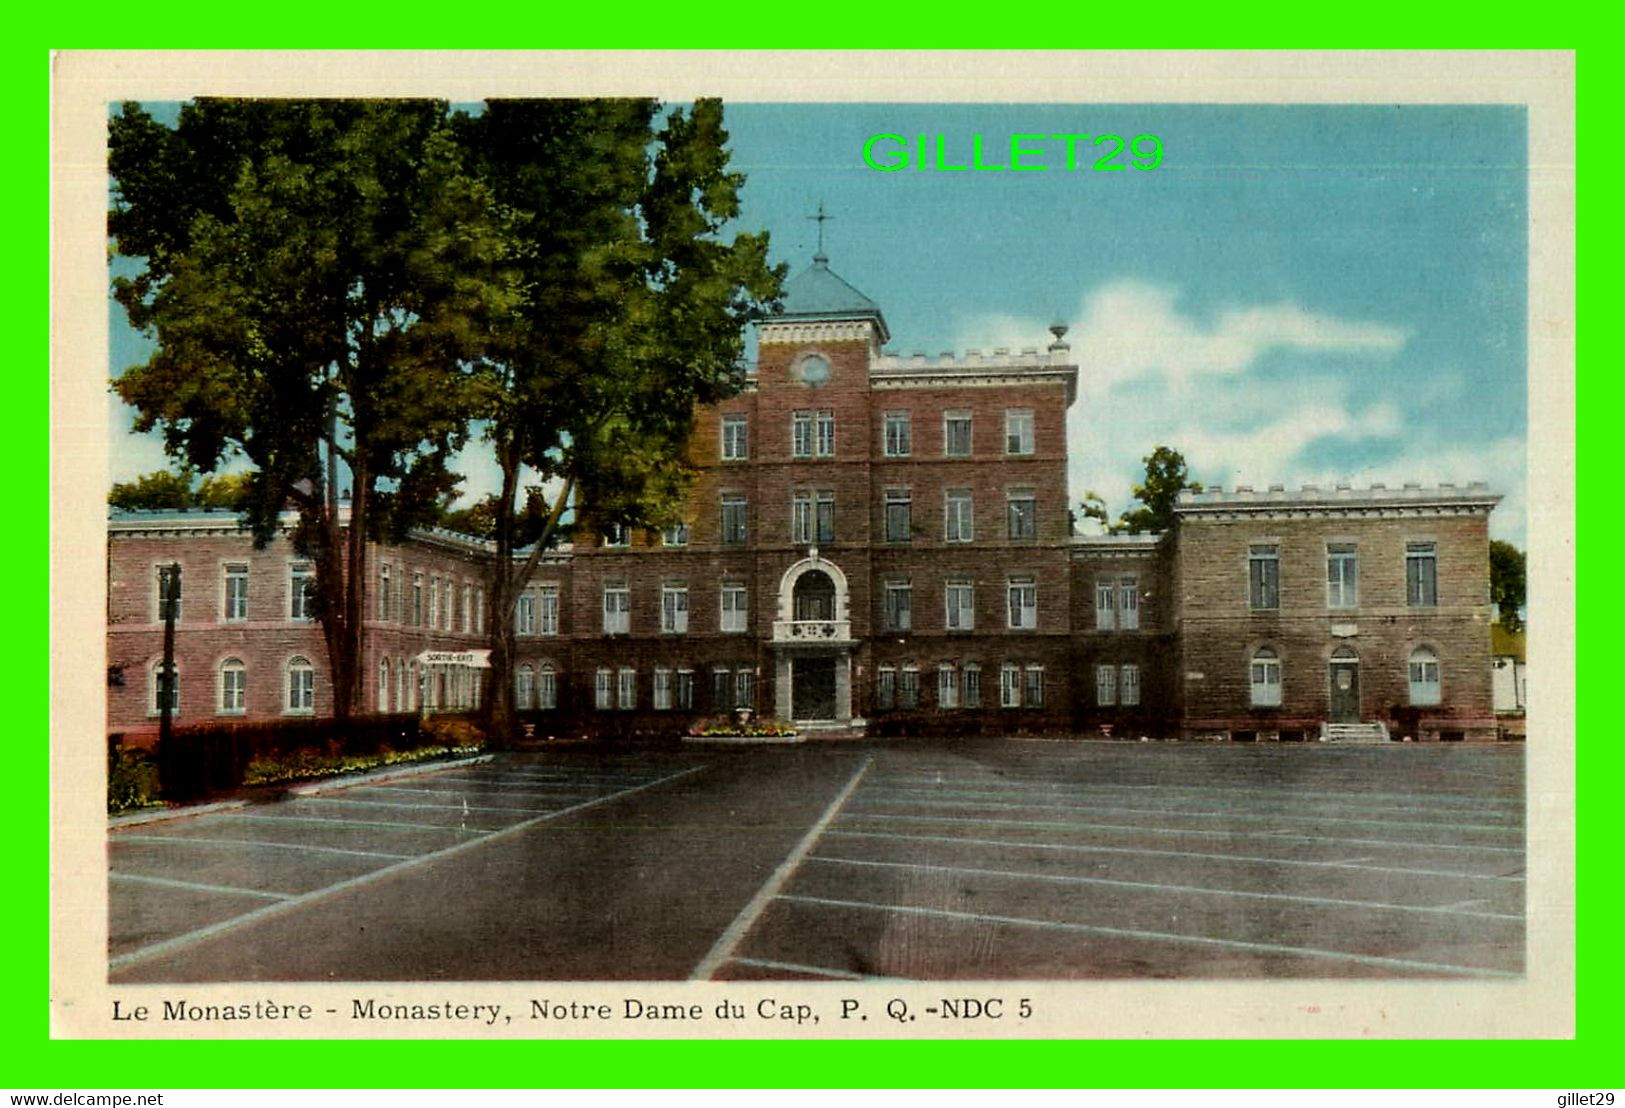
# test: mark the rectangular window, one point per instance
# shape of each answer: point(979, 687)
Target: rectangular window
point(1128, 686)
point(1264, 678)
point(956, 439)
point(617, 608)
point(1264, 577)
point(826, 434)
point(1035, 687)
point(417, 600)
point(1128, 603)
point(547, 689)
point(801, 518)
point(674, 609)
point(898, 436)
point(735, 444)
point(301, 689)
point(237, 591)
point(826, 518)
point(1421, 574)
point(1424, 681)
point(956, 525)
point(616, 534)
point(908, 687)
point(1022, 512)
point(479, 609)
point(1022, 593)
point(1106, 686)
point(300, 581)
point(524, 683)
point(801, 434)
point(161, 585)
point(733, 520)
point(524, 615)
point(675, 535)
point(233, 690)
point(947, 687)
point(733, 607)
point(1018, 431)
point(468, 608)
point(445, 604)
point(547, 610)
point(1105, 606)
point(899, 599)
point(434, 601)
point(1342, 575)
point(626, 689)
point(683, 692)
point(384, 611)
point(662, 695)
point(603, 691)
point(745, 688)
point(899, 515)
point(1009, 685)
point(960, 597)
point(885, 689)
point(973, 686)
point(721, 690)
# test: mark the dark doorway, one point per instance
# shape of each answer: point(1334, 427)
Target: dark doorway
point(815, 596)
point(1345, 687)
point(812, 688)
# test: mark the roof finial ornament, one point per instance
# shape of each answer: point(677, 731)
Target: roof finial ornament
point(820, 258)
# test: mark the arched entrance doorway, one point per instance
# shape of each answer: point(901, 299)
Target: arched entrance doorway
point(812, 639)
point(1344, 680)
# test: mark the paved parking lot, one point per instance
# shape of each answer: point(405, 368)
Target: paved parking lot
point(911, 860)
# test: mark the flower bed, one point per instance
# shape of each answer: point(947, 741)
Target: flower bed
point(723, 727)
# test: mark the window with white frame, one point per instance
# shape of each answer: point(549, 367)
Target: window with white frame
point(616, 534)
point(626, 688)
point(898, 597)
point(898, 434)
point(479, 609)
point(1264, 576)
point(547, 687)
point(908, 687)
point(662, 690)
point(1034, 696)
point(734, 607)
point(434, 601)
point(156, 686)
point(721, 690)
point(683, 690)
point(604, 690)
point(161, 591)
point(1018, 431)
point(957, 522)
point(1264, 678)
point(301, 583)
point(445, 604)
point(826, 434)
point(899, 515)
point(745, 688)
point(801, 517)
point(972, 685)
point(524, 688)
point(234, 687)
point(400, 686)
point(236, 592)
point(417, 600)
point(383, 684)
point(675, 535)
point(674, 608)
point(1422, 574)
point(384, 611)
point(1022, 593)
point(735, 440)
point(801, 434)
point(1128, 686)
point(826, 517)
point(468, 608)
point(960, 604)
point(301, 685)
point(956, 434)
point(1424, 677)
point(1105, 605)
point(412, 687)
point(1106, 686)
point(1009, 685)
point(1021, 512)
point(947, 686)
point(617, 608)
point(733, 519)
point(524, 615)
point(1128, 603)
point(547, 610)
point(885, 688)
point(1342, 575)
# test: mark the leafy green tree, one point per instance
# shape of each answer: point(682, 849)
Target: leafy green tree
point(1093, 506)
point(1166, 475)
point(633, 311)
point(160, 489)
point(318, 276)
point(1509, 583)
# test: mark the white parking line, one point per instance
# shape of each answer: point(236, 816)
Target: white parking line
point(179, 942)
point(1422, 801)
point(1157, 936)
point(746, 918)
point(423, 807)
point(194, 886)
point(1083, 848)
point(170, 840)
point(244, 817)
point(1276, 836)
point(466, 791)
point(1148, 886)
point(984, 805)
point(796, 967)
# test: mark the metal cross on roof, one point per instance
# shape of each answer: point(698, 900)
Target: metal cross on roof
point(820, 218)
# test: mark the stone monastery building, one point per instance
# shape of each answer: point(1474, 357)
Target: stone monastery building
point(876, 543)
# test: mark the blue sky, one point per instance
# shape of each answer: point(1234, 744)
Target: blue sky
point(1295, 294)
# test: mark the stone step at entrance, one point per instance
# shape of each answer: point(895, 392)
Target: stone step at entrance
point(1375, 732)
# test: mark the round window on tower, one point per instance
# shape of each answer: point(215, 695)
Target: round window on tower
point(813, 369)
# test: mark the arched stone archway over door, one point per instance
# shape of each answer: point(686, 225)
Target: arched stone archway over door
point(812, 641)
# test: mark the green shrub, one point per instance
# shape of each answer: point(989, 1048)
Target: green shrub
point(132, 782)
